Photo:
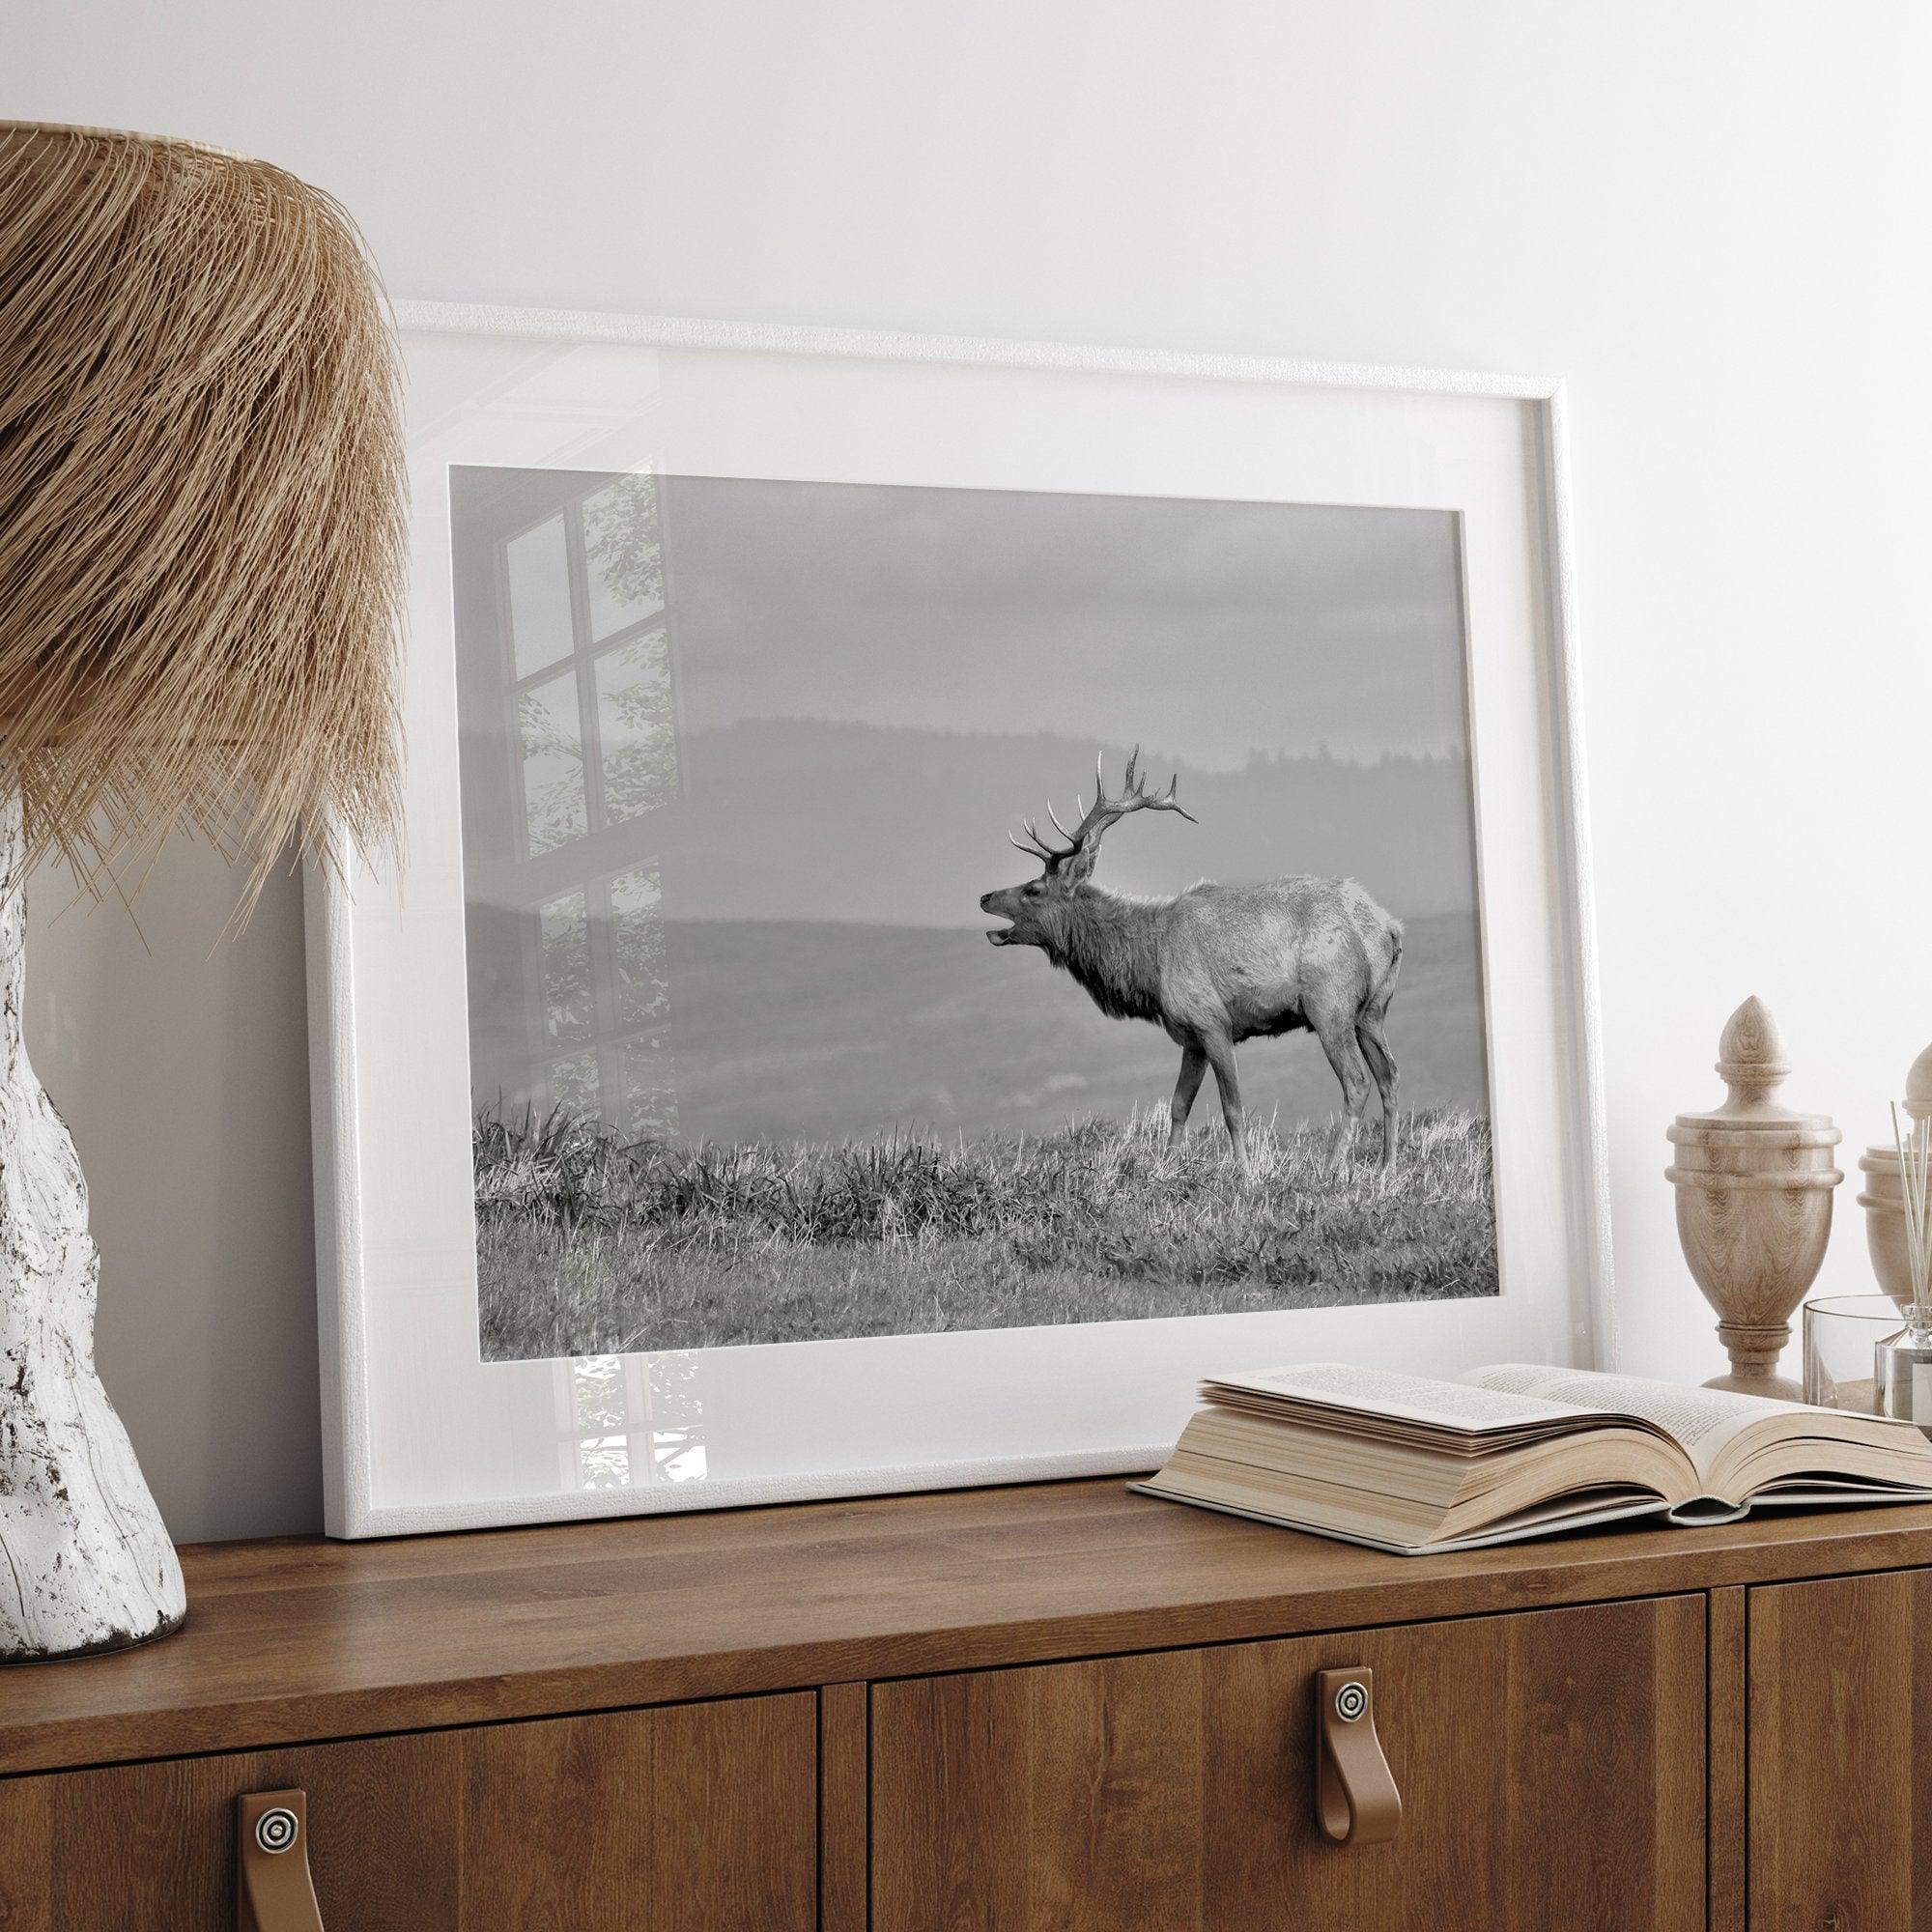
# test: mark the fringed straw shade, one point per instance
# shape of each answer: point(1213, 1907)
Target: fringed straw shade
point(201, 504)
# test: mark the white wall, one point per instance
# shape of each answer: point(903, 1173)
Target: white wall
point(1709, 216)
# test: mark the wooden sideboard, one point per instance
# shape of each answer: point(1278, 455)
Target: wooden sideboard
point(998, 1711)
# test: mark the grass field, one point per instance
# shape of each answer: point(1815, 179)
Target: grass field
point(588, 1246)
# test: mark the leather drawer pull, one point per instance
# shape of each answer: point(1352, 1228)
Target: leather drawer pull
point(273, 1890)
point(1355, 1798)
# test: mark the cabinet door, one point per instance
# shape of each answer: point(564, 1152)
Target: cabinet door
point(1840, 1733)
point(1550, 1766)
point(692, 1818)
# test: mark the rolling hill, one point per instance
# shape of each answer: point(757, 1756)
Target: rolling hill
point(787, 1030)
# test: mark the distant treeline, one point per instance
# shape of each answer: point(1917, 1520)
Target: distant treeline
point(798, 819)
point(1402, 824)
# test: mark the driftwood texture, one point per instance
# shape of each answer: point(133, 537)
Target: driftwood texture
point(202, 534)
point(85, 1562)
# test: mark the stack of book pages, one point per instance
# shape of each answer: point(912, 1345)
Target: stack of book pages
point(1413, 1464)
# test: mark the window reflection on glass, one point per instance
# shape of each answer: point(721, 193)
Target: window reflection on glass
point(633, 1418)
point(572, 1084)
point(638, 948)
point(586, 733)
point(597, 1392)
point(675, 1412)
point(563, 928)
point(556, 809)
point(601, 1413)
point(650, 1089)
point(638, 746)
point(539, 571)
point(624, 562)
point(602, 1462)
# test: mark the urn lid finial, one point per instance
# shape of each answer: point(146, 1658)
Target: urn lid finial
point(1753, 1063)
point(1751, 1055)
point(1919, 1088)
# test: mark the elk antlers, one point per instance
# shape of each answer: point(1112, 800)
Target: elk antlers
point(1086, 835)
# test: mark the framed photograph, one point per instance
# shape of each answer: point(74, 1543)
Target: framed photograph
point(953, 888)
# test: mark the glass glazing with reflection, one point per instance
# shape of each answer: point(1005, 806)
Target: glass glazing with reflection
point(601, 1413)
point(564, 940)
point(572, 1084)
point(634, 1419)
point(636, 743)
point(538, 566)
point(649, 1109)
point(555, 804)
point(622, 555)
point(638, 948)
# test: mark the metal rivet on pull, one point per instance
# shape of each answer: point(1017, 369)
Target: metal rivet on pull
point(1356, 1801)
point(276, 1831)
point(273, 1890)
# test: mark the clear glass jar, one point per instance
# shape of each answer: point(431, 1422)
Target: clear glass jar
point(1842, 1333)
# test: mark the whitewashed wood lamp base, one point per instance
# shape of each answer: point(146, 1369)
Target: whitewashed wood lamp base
point(85, 1561)
point(1754, 1184)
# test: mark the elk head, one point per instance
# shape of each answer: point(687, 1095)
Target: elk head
point(1035, 910)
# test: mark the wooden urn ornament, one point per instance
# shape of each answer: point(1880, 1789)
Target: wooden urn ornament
point(1884, 1195)
point(1753, 1183)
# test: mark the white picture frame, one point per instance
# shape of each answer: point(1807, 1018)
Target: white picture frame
point(420, 1434)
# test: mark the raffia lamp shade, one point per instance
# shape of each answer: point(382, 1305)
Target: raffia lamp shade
point(201, 502)
point(201, 558)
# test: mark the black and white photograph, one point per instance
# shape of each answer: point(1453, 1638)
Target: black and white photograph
point(896, 909)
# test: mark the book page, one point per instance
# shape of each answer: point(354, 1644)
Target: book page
point(1576, 1513)
point(1703, 1421)
point(1461, 1405)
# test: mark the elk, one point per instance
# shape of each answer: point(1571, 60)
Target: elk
point(1217, 964)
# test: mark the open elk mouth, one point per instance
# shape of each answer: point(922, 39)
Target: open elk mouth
point(1001, 935)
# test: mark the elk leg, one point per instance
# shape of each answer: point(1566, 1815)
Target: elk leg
point(1382, 1064)
point(1345, 1056)
point(1193, 1066)
point(1220, 1054)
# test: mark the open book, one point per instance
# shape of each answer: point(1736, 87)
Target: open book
point(1408, 1464)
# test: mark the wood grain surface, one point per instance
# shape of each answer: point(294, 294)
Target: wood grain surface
point(698, 1818)
point(1550, 1765)
point(1840, 1731)
point(1725, 1787)
point(845, 1799)
point(302, 1640)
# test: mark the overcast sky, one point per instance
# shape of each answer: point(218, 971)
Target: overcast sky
point(1216, 629)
